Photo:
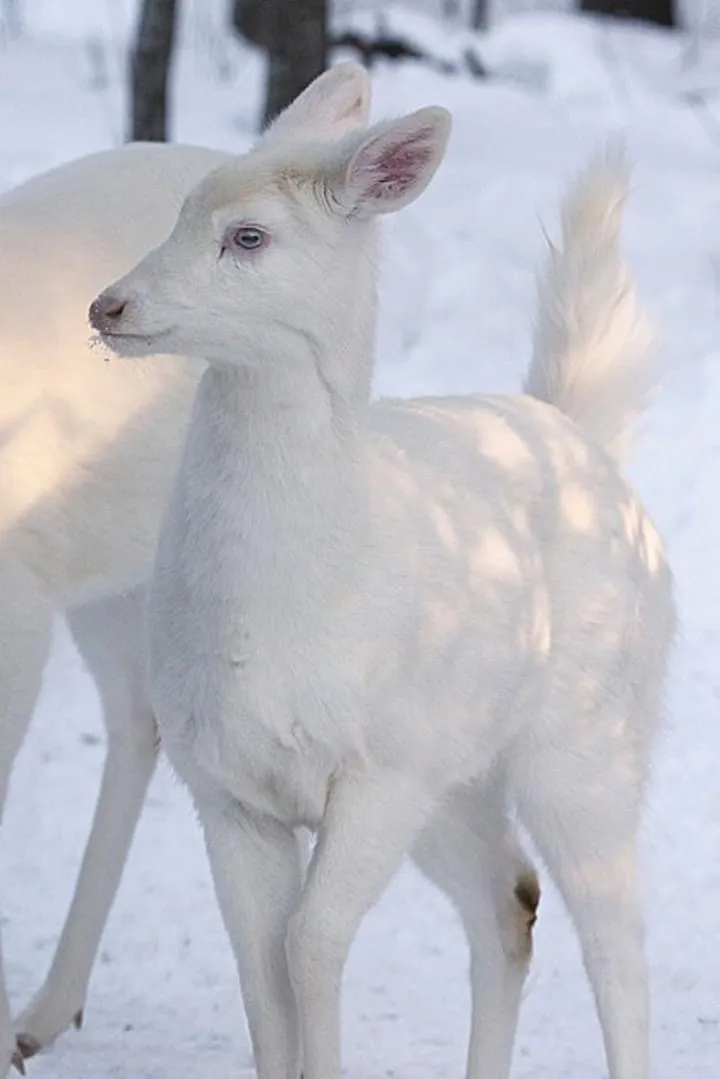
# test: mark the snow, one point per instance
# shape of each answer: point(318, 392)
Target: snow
point(456, 316)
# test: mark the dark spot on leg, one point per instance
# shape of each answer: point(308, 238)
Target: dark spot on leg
point(527, 893)
point(28, 1046)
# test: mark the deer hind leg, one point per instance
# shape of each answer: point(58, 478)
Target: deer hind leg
point(582, 811)
point(25, 633)
point(470, 851)
point(109, 635)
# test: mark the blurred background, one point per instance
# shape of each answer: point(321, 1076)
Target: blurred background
point(128, 54)
point(535, 87)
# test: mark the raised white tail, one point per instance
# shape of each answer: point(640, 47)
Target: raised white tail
point(591, 354)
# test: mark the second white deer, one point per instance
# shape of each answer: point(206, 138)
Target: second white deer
point(87, 456)
point(391, 623)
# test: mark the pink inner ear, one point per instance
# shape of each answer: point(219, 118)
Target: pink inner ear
point(398, 166)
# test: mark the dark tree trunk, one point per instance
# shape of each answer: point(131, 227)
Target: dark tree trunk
point(252, 19)
point(12, 18)
point(658, 11)
point(479, 14)
point(298, 49)
point(150, 70)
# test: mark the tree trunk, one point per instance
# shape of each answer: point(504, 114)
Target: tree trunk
point(658, 11)
point(298, 49)
point(150, 70)
point(480, 14)
point(12, 18)
point(252, 20)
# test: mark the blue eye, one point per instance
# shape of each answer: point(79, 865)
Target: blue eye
point(245, 238)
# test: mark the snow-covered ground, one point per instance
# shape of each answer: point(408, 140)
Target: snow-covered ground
point(457, 311)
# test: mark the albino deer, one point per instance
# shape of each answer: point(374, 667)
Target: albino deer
point(391, 623)
point(87, 452)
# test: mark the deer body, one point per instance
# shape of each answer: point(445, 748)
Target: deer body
point(424, 598)
point(391, 622)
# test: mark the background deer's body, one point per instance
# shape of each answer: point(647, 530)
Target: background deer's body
point(87, 453)
point(88, 449)
point(391, 622)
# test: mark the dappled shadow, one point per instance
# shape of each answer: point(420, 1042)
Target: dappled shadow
point(529, 576)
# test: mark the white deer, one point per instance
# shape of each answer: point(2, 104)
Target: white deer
point(87, 453)
point(391, 623)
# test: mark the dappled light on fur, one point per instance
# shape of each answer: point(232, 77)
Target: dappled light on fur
point(576, 505)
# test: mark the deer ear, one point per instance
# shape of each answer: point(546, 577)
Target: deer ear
point(394, 163)
point(339, 98)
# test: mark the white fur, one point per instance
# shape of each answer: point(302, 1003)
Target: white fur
point(390, 623)
point(87, 453)
point(588, 312)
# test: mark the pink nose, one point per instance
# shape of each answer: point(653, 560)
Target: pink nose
point(105, 312)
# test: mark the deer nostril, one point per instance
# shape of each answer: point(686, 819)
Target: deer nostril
point(105, 312)
point(113, 308)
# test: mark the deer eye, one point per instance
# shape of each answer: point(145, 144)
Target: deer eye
point(244, 238)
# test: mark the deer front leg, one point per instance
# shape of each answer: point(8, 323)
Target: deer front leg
point(257, 865)
point(370, 823)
